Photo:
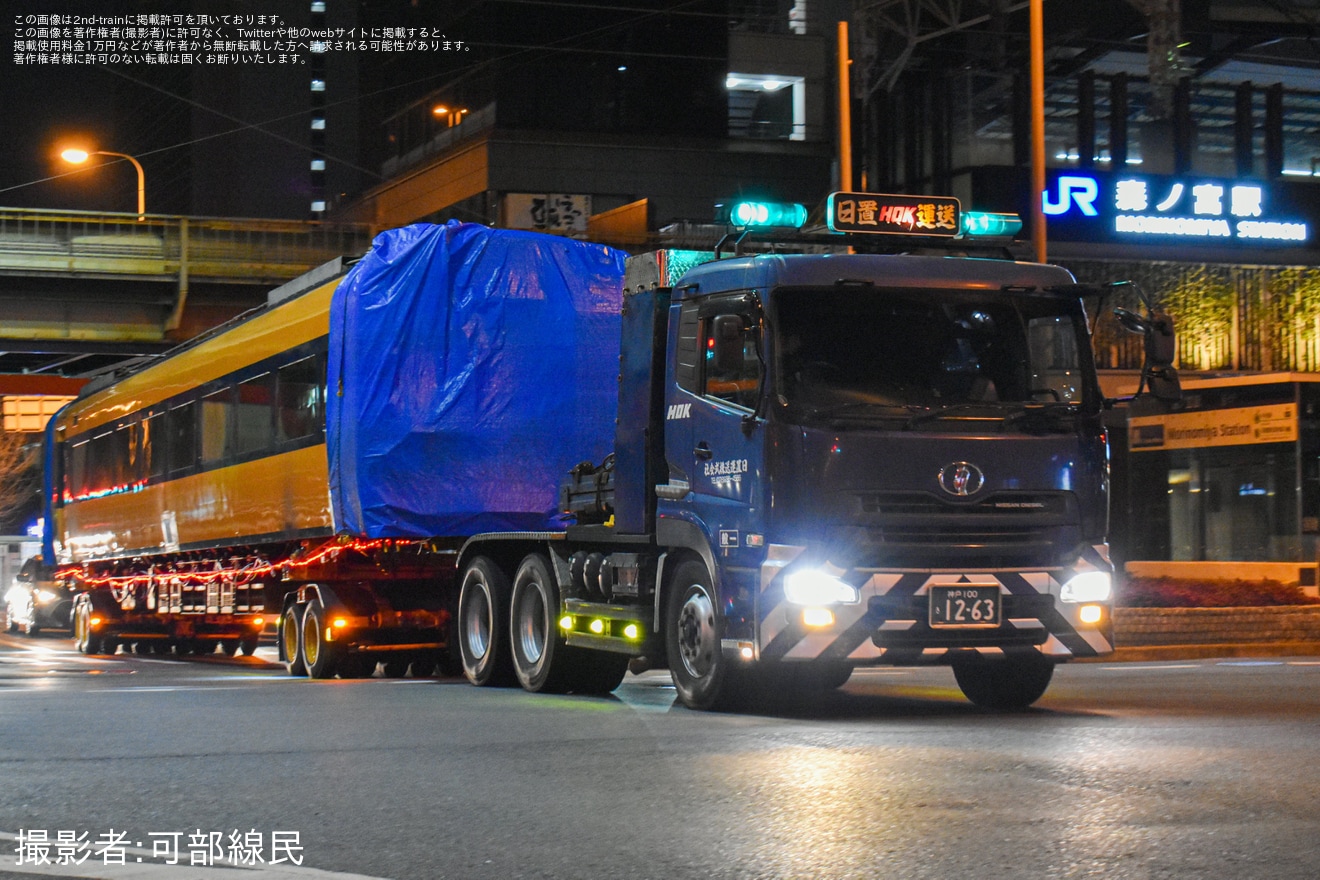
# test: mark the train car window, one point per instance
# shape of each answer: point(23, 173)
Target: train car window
point(181, 429)
point(301, 399)
point(217, 424)
point(252, 415)
point(153, 446)
point(127, 458)
point(75, 470)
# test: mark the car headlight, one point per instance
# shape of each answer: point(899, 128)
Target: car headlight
point(1089, 586)
point(812, 586)
point(46, 596)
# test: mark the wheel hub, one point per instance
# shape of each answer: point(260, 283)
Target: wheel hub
point(696, 635)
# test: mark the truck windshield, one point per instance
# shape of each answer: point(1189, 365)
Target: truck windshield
point(928, 354)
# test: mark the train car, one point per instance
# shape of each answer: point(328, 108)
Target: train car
point(197, 501)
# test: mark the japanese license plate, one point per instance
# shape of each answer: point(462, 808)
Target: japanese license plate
point(965, 605)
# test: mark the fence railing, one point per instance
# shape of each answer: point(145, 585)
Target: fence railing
point(160, 246)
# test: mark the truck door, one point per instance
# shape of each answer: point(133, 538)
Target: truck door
point(719, 442)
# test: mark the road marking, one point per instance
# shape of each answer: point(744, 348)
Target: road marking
point(1250, 663)
point(1148, 667)
point(146, 869)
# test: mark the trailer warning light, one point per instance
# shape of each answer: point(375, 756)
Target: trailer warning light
point(986, 224)
point(566, 622)
point(762, 215)
point(631, 631)
point(597, 626)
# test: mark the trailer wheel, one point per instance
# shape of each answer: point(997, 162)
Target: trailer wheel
point(1004, 685)
point(700, 670)
point(356, 666)
point(483, 624)
point(394, 668)
point(291, 641)
point(541, 660)
point(84, 639)
point(247, 645)
point(321, 658)
point(229, 647)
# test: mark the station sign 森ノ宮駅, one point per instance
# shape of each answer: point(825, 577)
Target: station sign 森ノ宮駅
point(1240, 426)
point(1145, 208)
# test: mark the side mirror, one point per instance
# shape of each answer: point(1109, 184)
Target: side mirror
point(727, 333)
point(1161, 342)
point(1161, 349)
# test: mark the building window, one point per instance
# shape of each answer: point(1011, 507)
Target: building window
point(767, 106)
point(31, 413)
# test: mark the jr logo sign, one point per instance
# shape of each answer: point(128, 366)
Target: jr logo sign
point(1073, 189)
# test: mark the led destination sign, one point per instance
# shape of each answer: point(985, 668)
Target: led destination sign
point(1134, 207)
point(894, 214)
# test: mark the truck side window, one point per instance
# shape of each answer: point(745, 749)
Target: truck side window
point(687, 362)
point(738, 383)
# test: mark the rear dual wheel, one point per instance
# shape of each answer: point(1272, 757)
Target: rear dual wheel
point(482, 630)
point(84, 639)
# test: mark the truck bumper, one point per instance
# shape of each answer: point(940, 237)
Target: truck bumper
point(892, 622)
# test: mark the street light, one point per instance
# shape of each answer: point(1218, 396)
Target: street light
point(77, 157)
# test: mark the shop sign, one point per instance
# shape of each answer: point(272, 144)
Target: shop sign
point(1135, 208)
point(893, 214)
point(547, 212)
point(1215, 427)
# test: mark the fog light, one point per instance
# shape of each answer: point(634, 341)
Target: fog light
point(745, 650)
point(1091, 613)
point(340, 623)
point(817, 617)
point(95, 621)
point(258, 622)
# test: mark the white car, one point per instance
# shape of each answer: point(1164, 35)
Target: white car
point(35, 602)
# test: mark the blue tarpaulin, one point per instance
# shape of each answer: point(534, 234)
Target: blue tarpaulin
point(470, 369)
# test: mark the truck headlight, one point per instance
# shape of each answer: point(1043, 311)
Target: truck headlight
point(46, 596)
point(1089, 586)
point(812, 586)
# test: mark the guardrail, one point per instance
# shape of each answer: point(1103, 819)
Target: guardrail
point(90, 244)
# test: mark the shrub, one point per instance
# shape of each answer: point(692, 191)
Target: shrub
point(1167, 592)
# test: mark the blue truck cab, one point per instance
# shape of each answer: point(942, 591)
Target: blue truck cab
point(882, 460)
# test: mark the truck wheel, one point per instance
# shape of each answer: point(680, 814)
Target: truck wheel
point(84, 640)
point(320, 657)
point(1004, 685)
point(541, 660)
point(394, 668)
point(483, 627)
point(692, 640)
point(291, 641)
point(247, 645)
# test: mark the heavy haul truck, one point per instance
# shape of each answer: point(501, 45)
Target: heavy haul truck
point(533, 460)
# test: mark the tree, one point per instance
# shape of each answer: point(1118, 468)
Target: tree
point(20, 478)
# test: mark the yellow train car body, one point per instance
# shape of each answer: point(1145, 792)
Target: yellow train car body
point(118, 499)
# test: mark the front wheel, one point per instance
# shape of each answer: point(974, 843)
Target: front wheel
point(1004, 685)
point(483, 624)
point(702, 674)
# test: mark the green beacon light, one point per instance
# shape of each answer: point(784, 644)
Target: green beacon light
point(763, 215)
point(985, 224)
